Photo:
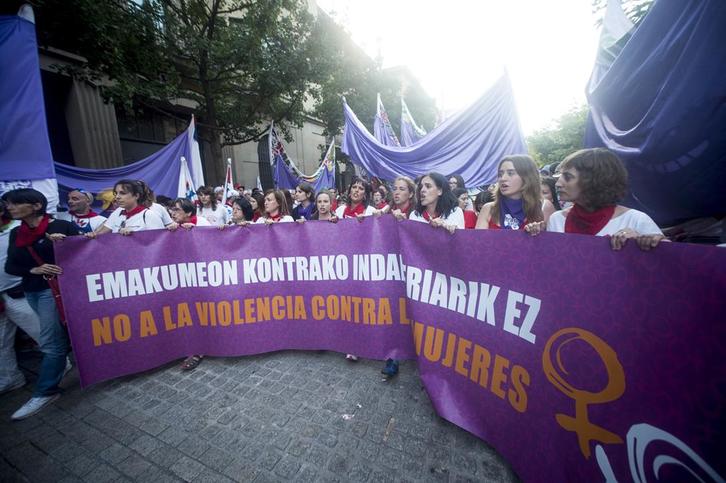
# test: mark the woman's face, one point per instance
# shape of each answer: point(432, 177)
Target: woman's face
point(21, 210)
point(357, 193)
point(430, 193)
point(453, 184)
point(178, 215)
point(271, 204)
point(254, 204)
point(237, 213)
point(510, 183)
point(568, 185)
point(125, 199)
point(205, 199)
point(463, 200)
point(401, 194)
point(300, 195)
point(323, 204)
point(546, 192)
point(377, 197)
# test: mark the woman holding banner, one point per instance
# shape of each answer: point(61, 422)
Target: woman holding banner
point(595, 180)
point(404, 190)
point(518, 198)
point(323, 207)
point(31, 256)
point(276, 208)
point(305, 196)
point(436, 204)
point(132, 214)
point(185, 214)
point(359, 199)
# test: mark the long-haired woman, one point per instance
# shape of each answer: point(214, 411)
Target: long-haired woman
point(518, 198)
point(462, 197)
point(209, 208)
point(358, 202)
point(132, 215)
point(595, 180)
point(549, 191)
point(276, 208)
point(436, 204)
point(324, 207)
point(305, 197)
point(31, 256)
point(257, 201)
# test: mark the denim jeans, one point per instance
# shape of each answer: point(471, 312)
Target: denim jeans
point(53, 343)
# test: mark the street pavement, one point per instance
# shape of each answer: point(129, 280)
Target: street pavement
point(284, 416)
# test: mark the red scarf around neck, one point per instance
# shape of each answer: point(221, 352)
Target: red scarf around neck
point(27, 235)
point(579, 220)
point(405, 210)
point(275, 218)
point(352, 212)
point(135, 211)
point(193, 219)
point(427, 217)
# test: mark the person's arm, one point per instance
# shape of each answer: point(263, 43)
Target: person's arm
point(13, 265)
point(482, 222)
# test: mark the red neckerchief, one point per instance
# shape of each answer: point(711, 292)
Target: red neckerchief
point(90, 214)
point(406, 210)
point(381, 205)
point(27, 235)
point(135, 211)
point(349, 212)
point(579, 220)
point(275, 218)
point(427, 217)
point(193, 219)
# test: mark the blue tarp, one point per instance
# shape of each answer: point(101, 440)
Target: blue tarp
point(661, 106)
point(470, 144)
point(25, 152)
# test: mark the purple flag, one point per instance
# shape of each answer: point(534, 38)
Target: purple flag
point(577, 362)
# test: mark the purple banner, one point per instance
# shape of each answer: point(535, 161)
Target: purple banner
point(576, 362)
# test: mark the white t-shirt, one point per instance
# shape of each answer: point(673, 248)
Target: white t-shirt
point(633, 219)
point(144, 220)
point(284, 219)
point(6, 280)
point(201, 221)
point(162, 212)
point(216, 217)
point(341, 209)
point(86, 225)
point(456, 218)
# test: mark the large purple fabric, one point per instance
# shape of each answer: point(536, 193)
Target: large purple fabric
point(161, 171)
point(25, 152)
point(470, 144)
point(660, 106)
point(578, 363)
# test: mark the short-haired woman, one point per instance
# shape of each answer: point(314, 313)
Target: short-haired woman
point(31, 256)
point(462, 197)
point(595, 180)
point(305, 196)
point(359, 200)
point(185, 214)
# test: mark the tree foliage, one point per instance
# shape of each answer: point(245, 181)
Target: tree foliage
point(635, 10)
point(553, 144)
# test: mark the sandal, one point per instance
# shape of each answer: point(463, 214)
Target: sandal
point(351, 358)
point(191, 362)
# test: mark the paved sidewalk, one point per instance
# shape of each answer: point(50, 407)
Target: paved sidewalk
point(285, 416)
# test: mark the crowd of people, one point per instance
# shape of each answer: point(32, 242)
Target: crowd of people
point(581, 196)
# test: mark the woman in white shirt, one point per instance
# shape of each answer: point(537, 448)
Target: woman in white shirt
point(131, 214)
point(210, 209)
point(595, 180)
point(359, 199)
point(276, 209)
point(436, 204)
